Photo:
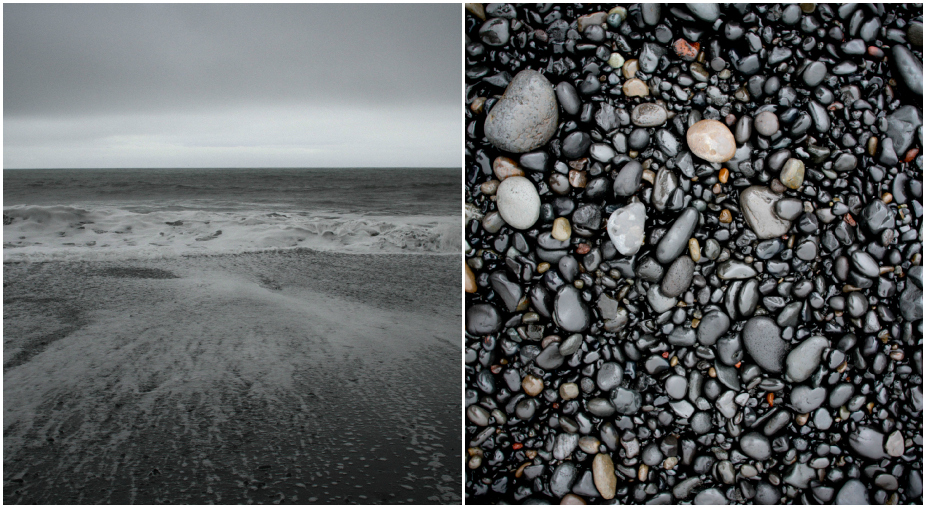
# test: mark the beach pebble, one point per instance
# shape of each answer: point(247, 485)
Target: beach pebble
point(570, 311)
point(758, 205)
point(649, 115)
point(603, 471)
point(626, 228)
point(518, 202)
point(711, 140)
point(678, 277)
point(674, 242)
point(766, 123)
point(792, 174)
point(763, 342)
point(526, 116)
point(805, 358)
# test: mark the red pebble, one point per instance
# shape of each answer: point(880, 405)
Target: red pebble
point(517, 446)
point(687, 51)
point(911, 154)
point(582, 248)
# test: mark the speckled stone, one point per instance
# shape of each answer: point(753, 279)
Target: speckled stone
point(518, 202)
point(792, 174)
point(526, 116)
point(649, 115)
point(758, 206)
point(712, 141)
point(625, 228)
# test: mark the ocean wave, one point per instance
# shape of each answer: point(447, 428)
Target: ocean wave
point(41, 233)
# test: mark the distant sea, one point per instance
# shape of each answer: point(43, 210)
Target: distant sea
point(232, 336)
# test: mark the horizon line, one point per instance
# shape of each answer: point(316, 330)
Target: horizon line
point(242, 167)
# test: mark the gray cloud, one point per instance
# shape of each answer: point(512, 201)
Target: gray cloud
point(194, 85)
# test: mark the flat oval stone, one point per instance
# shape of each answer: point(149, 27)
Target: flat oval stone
point(868, 442)
point(635, 87)
point(605, 479)
point(766, 123)
point(814, 74)
point(763, 342)
point(805, 399)
point(625, 228)
point(792, 174)
point(805, 358)
point(518, 202)
point(733, 269)
point(909, 67)
point(865, 264)
point(756, 446)
point(610, 375)
point(526, 116)
point(675, 241)
point(482, 319)
point(678, 277)
point(570, 311)
point(711, 140)
point(789, 208)
point(758, 206)
point(650, 115)
point(628, 179)
point(852, 492)
point(713, 325)
point(676, 386)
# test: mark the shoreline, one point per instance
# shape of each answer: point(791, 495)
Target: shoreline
point(237, 378)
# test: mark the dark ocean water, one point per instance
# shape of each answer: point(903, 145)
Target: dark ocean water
point(393, 191)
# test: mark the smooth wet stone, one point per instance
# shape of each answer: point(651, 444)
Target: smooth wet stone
point(789, 209)
point(902, 126)
point(482, 319)
point(868, 442)
point(626, 401)
point(610, 375)
point(478, 415)
point(713, 325)
point(564, 445)
point(510, 292)
point(909, 67)
point(805, 399)
point(894, 446)
point(841, 394)
point(763, 342)
point(799, 475)
point(564, 476)
point(852, 492)
point(865, 264)
point(856, 304)
point(732, 270)
point(729, 350)
point(605, 479)
point(550, 358)
point(518, 202)
point(658, 301)
point(756, 446)
point(495, 32)
point(676, 386)
point(814, 73)
point(635, 88)
point(805, 358)
point(678, 277)
point(675, 241)
point(766, 123)
point(877, 216)
point(758, 206)
point(711, 140)
point(665, 184)
point(648, 115)
point(568, 98)
point(526, 116)
point(682, 336)
point(911, 303)
point(570, 312)
point(628, 179)
point(649, 56)
point(701, 422)
point(792, 174)
point(626, 228)
point(576, 144)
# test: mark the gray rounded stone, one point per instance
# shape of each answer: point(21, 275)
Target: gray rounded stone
point(758, 206)
point(713, 325)
point(518, 202)
point(676, 386)
point(526, 116)
point(763, 342)
point(852, 492)
point(626, 401)
point(701, 422)
point(649, 114)
point(805, 399)
point(805, 358)
point(766, 123)
point(868, 442)
point(678, 277)
point(756, 446)
point(569, 310)
point(628, 179)
point(675, 241)
point(610, 375)
point(626, 228)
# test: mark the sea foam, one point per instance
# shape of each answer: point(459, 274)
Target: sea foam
point(42, 233)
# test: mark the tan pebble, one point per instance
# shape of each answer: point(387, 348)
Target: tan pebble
point(643, 472)
point(725, 216)
point(532, 385)
point(872, 146)
point(711, 140)
point(589, 444)
point(635, 88)
point(572, 499)
point(561, 229)
point(577, 179)
point(694, 249)
point(649, 175)
point(896, 355)
point(477, 104)
point(616, 61)
point(476, 10)
point(550, 339)
point(633, 154)
point(887, 197)
point(603, 474)
point(474, 462)
point(695, 322)
point(630, 68)
point(505, 168)
point(792, 174)
point(568, 391)
point(543, 267)
point(724, 175)
point(489, 188)
point(673, 361)
point(712, 372)
point(801, 419)
point(670, 463)
point(470, 284)
point(808, 8)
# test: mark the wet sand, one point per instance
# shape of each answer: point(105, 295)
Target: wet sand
point(296, 377)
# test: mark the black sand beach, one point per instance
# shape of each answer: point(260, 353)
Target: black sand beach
point(293, 377)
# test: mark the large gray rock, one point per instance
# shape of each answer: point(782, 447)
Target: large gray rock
point(805, 399)
point(852, 492)
point(909, 67)
point(758, 206)
point(526, 116)
point(763, 342)
point(570, 311)
point(518, 202)
point(902, 125)
point(675, 241)
point(805, 358)
point(868, 442)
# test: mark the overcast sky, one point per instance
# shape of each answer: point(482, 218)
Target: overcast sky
point(180, 85)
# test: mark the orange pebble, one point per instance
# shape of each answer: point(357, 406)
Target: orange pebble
point(770, 398)
point(724, 175)
point(517, 446)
